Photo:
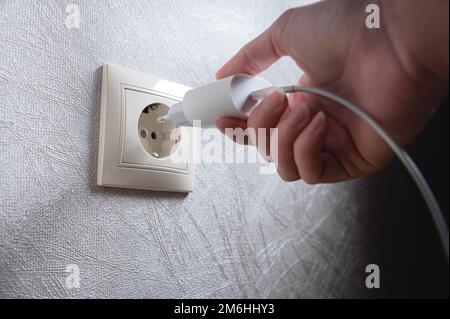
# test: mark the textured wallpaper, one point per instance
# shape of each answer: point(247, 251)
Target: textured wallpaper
point(240, 234)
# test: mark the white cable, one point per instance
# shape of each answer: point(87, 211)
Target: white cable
point(414, 171)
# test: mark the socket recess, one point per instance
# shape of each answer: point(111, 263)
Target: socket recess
point(135, 151)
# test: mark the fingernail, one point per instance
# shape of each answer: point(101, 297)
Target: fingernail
point(274, 100)
point(298, 114)
point(318, 121)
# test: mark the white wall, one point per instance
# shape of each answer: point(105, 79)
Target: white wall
point(240, 234)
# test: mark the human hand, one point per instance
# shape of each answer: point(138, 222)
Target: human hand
point(397, 74)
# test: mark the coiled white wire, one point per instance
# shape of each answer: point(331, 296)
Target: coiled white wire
point(410, 165)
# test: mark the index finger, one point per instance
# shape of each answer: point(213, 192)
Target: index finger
point(260, 53)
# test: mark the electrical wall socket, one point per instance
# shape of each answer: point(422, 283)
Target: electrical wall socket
point(135, 151)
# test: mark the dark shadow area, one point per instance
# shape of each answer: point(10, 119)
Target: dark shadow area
point(403, 238)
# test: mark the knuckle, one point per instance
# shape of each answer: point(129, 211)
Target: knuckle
point(284, 19)
point(252, 66)
point(286, 15)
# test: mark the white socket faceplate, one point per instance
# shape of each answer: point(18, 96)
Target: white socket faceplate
point(122, 159)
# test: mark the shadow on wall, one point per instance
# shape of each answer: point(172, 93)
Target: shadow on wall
point(404, 239)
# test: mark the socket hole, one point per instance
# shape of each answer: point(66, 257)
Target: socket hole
point(152, 107)
point(159, 140)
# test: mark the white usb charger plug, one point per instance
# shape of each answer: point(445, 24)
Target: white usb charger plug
point(228, 97)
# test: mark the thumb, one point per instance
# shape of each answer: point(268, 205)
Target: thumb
point(260, 53)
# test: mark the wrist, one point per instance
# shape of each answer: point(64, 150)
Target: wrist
point(419, 34)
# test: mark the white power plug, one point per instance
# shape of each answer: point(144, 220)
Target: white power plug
point(229, 97)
